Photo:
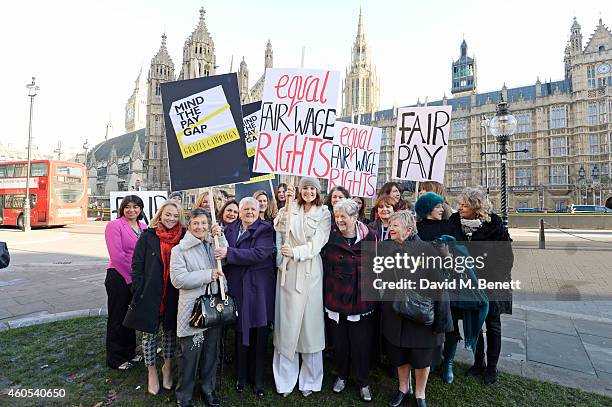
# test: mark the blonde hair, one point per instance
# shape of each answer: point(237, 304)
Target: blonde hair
point(159, 212)
point(271, 210)
point(433, 186)
point(476, 198)
point(217, 199)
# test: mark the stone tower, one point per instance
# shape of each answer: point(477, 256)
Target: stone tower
point(464, 73)
point(136, 106)
point(269, 55)
point(243, 82)
point(360, 88)
point(198, 52)
point(155, 154)
point(575, 39)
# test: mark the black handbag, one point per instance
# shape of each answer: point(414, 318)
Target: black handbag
point(210, 310)
point(416, 307)
point(5, 257)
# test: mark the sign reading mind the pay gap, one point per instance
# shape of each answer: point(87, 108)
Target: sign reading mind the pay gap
point(421, 143)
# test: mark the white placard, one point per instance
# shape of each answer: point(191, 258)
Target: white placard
point(152, 200)
point(354, 159)
point(296, 130)
point(421, 143)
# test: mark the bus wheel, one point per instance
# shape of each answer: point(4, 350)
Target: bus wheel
point(20, 222)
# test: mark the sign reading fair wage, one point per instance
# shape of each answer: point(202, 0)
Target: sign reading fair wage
point(421, 143)
point(296, 129)
point(354, 159)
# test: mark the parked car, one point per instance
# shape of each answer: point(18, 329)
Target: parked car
point(589, 209)
point(530, 210)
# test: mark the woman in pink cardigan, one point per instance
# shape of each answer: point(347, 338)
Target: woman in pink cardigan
point(121, 235)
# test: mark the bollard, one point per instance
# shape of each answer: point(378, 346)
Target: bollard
point(542, 237)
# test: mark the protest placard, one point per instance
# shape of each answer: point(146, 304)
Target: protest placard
point(249, 188)
point(250, 119)
point(421, 143)
point(152, 200)
point(354, 159)
point(296, 128)
point(204, 132)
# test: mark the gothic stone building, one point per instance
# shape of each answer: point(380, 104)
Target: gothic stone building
point(566, 125)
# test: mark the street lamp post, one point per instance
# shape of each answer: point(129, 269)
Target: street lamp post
point(595, 180)
point(581, 180)
point(485, 125)
point(503, 126)
point(32, 89)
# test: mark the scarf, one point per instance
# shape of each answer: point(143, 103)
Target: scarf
point(167, 240)
point(469, 226)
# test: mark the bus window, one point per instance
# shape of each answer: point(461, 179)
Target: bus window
point(9, 171)
point(38, 170)
point(15, 201)
point(69, 186)
point(21, 171)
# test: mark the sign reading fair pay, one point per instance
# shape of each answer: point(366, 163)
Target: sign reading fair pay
point(421, 143)
point(203, 121)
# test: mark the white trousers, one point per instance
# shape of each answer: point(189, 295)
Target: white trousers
point(286, 372)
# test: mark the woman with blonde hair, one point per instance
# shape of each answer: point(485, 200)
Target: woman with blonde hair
point(203, 202)
point(267, 209)
point(298, 318)
point(477, 223)
point(155, 300)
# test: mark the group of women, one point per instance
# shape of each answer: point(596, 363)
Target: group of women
point(296, 270)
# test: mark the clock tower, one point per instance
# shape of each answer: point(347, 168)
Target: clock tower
point(136, 106)
point(464, 73)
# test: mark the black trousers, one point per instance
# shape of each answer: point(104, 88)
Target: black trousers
point(198, 355)
point(493, 324)
point(120, 341)
point(352, 346)
point(251, 360)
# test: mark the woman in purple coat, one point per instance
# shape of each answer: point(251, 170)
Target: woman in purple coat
point(252, 282)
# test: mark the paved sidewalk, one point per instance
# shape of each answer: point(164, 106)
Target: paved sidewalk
point(59, 273)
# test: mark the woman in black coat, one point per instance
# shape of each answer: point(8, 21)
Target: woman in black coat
point(411, 344)
point(155, 300)
point(477, 224)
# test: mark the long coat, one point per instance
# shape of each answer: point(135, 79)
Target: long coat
point(250, 274)
point(298, 317)
point(147, 288)
point(500, 257)
point(191, 265)
point(120, 242)
point(344, 279)
point(403, 332)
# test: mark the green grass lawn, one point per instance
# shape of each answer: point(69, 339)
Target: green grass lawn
point(70, 355)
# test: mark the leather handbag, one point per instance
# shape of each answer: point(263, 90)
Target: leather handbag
point(414, 306)
point(411, 305)
point(5, 257)
point(210, 310)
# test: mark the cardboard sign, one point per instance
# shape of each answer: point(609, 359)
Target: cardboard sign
point(296, 128)
point(249, 188)
point(152, 200)
point(250, 119)
point(204, 132)
point(421, 143)
point(354, 159)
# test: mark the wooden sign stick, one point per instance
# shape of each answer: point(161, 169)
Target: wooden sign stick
point(213, 217)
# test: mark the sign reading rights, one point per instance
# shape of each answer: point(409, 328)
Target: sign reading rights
point(296, 128)
point(421, 143)
point(354, 159)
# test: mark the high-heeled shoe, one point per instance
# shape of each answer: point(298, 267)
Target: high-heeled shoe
point(421, 403)
point(153, 391)
point(398, 399)
point(167, 382)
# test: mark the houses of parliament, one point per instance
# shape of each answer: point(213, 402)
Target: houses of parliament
point(566, 124)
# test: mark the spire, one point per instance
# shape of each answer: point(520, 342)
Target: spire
point(464, 48)
point(202, 15)
point(360, 32)
point(269, 57)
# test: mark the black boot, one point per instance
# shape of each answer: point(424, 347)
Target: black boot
point(398, 399)
point(450, 348)
point(479, 365)
point(490, 375)
point(421, 403)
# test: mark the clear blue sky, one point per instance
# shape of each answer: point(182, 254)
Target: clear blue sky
point(87, 54)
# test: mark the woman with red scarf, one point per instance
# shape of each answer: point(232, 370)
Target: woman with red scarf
point(155, 300)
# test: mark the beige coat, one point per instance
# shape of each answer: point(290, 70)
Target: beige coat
point(191, 266)
point(298, 318)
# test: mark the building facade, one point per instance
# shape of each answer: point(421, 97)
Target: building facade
point(254, 93)
point(360, 87)
point(566, 125)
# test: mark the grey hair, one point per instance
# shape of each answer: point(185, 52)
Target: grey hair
point(195, 212)
point(476, 198)
point(406, 220)
point(249, 200)
point(348, 205)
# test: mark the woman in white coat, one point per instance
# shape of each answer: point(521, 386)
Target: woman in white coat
point(298, 320)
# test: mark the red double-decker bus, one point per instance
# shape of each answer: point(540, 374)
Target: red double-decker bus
point(58, 193)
